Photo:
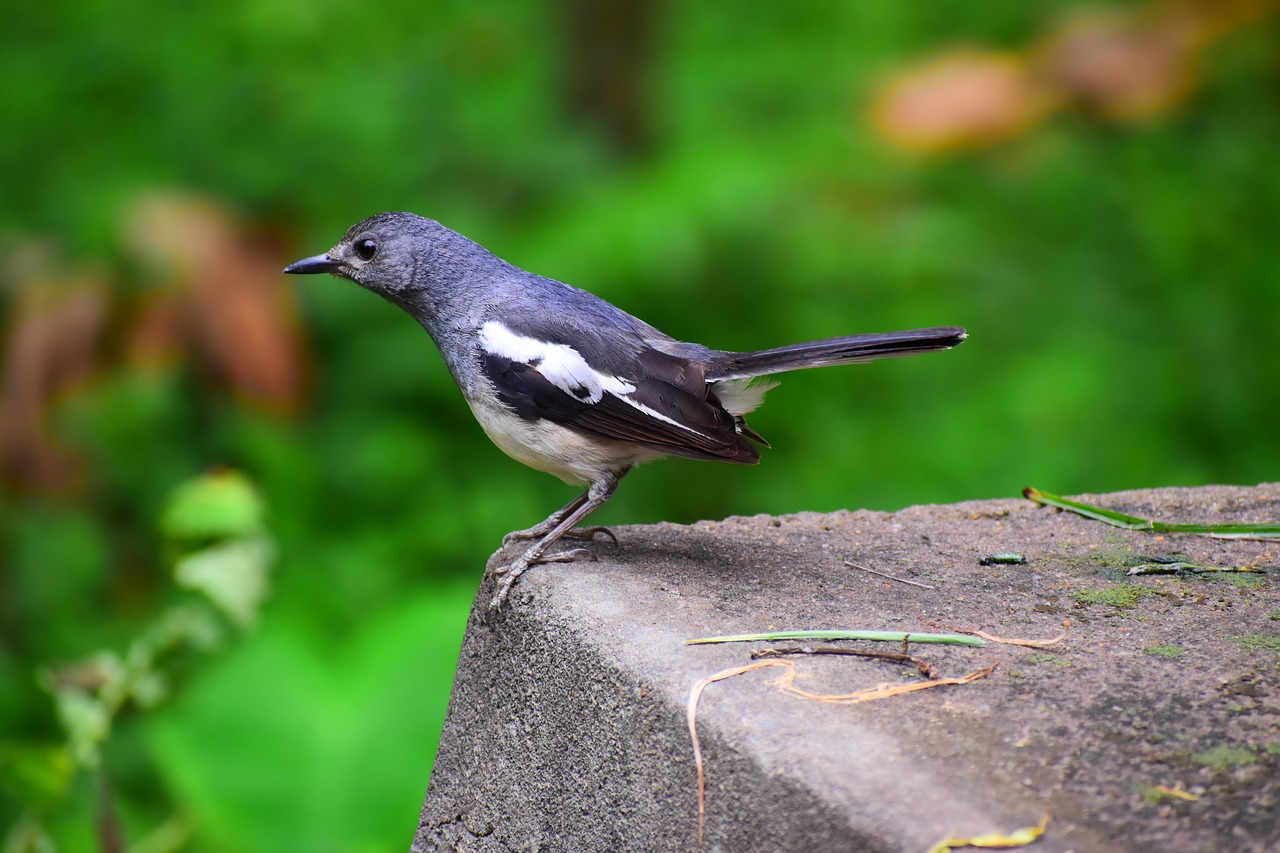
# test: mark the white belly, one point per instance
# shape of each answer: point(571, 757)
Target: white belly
point(572, 456)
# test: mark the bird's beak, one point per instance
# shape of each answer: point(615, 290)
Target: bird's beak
point(312, 265)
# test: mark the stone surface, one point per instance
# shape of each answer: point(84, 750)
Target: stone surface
point(567, 726)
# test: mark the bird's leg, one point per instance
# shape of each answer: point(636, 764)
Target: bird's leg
point(545, 527)
point(561, 523)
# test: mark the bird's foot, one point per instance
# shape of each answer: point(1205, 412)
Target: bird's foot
point(561, 523)
point(533, 533)
point(505, 576)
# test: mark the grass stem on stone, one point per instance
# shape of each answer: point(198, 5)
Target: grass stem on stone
point(1266, 531)
point(871, 636)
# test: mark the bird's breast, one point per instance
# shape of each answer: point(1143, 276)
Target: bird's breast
point(576, 457)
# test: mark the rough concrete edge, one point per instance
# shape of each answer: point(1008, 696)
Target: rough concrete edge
point(517, 703)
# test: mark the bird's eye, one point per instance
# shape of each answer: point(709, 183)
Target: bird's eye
point(366, 249)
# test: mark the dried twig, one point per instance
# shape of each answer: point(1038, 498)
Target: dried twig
point(886, 575)
point(882, 691)
point(1182, 568)
point(925, 668)
point(786, 684)
point(1009, 641)
point(691, 713)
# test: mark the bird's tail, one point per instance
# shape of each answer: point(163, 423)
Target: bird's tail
point(846, 350)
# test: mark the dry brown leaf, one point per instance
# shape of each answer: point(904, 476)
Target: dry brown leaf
point(995, 840)
point(964, 99)
point(1178, 791)
point(1124, 65)
point(1120, 65)
point(234, 305)
point(1131, 64)
point(52, 344)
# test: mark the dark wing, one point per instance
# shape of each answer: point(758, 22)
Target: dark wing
point(648, 397)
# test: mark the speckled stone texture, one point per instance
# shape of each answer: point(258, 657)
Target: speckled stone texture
point(567, 727)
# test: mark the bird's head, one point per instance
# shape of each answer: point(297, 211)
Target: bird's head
point(385, 253)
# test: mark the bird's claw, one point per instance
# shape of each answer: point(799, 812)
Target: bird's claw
point(589, 533)
point(518, 536)
point(505, 576)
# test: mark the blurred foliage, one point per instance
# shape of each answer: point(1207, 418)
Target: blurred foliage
point(214, 528)
point(740, 181)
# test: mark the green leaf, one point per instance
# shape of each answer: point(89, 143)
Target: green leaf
point(217, 505)
point(87, 721)
point(195, 624)
point(325, 709)
point(38, 773)
point(233, 576)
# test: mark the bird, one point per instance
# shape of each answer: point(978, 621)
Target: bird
point(566, 382)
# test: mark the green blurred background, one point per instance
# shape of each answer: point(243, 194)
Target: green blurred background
point(737, 175)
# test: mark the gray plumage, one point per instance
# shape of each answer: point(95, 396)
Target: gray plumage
point(567, 383)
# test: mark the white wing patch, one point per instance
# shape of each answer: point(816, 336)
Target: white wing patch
point(564, 367)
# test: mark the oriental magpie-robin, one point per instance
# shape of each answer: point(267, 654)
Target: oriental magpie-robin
point(566, 383)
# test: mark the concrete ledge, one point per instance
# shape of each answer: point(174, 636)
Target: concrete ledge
point(566, 729)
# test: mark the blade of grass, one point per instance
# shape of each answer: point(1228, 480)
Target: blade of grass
point(872, 636)
point(1115, 519)
point(1261, 530)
